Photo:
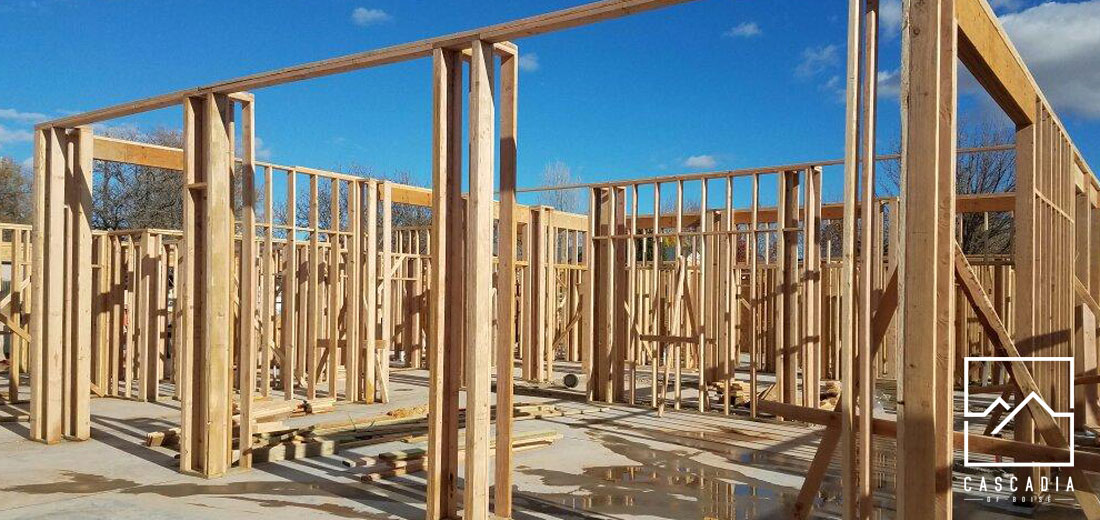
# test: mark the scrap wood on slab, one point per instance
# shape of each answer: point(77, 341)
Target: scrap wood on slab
point(518, 440)
point(164, 438)
point(402, 462)
point(294, 450)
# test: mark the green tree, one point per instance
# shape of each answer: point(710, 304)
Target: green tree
point(15, 192)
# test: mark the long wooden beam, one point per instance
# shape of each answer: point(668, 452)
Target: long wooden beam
point(988, 53)
point(530, 26)
point(169, 158)
point(1022, 451)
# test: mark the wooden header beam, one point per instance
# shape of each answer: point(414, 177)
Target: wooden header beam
point(975, 203)
point(156, 156)
point(530, 26)
point(988, 53)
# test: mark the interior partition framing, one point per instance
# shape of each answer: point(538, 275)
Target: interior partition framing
point(678, 327)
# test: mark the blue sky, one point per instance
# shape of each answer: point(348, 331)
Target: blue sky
point(714, 84)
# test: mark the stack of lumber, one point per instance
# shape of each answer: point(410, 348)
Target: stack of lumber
point(402, 425)
point(739, 393)
point(273, 441)
point(267, 416)
point(401, 462)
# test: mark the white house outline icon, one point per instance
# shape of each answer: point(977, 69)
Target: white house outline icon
point(1014, 411)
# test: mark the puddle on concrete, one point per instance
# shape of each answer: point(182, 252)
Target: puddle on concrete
point(665, 485)
point(683, 484)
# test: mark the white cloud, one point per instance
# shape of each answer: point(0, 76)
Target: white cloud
point(835, 87)
point(1061, 45)
point(889, 17)
point(12, 114)
point(529, 62)
point(744, 30)
point(363, 17)
point(816, 60)
point(889, 83)
point(700, 161)
point(263, 153)
point(28, 163)
point(8, 135)
point(1009, 5)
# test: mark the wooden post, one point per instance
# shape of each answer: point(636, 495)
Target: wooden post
point(925, 277)
point(506, 274)
point(246, 369)
point(354, 305)
point(847, 403)
point(79, 191)
point(812, 274)
point(534, 358)
point(588, 325)
point(47, 308)
point(206, 432)
point(865, 377)
point(479, 258)
point(290, 289)
point(267, 312)
point(370, 317)
point(754, 292)
point(144, 318)
point(787, 308)
point(443, 344)
point(313, 296)
point(387, 292)
point(332, 275)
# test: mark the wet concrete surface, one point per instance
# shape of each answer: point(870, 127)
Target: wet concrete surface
point(623, 462)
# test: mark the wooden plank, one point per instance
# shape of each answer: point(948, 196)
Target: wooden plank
point(144, 317)
point(945, 349)
point(267, 317)
point(370, 316)
point(803, 504)
point(246, 368)
point(848, 433)
point(987, 52)
point(47, 311)
point(354, 305)
point(506, 274)
point(186, 290)
point(754, 296)
point(701, 324)
point(313, 292)
point(387, 291)
point(478, 282)
point(216, 281)
point(287, 369)
point(145, 154)
point(81, 214)
point(924, 488)
point(335, 296)
point(977, 443)
point(589, 328)
point(865, 376)
point(454, 250)
point(530, 26)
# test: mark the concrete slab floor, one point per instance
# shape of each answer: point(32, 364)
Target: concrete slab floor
point(622, 462)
